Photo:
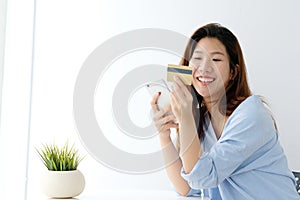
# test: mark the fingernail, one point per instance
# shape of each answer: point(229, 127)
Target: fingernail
point(159, 93)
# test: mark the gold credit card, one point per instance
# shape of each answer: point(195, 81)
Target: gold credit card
point(184, 72)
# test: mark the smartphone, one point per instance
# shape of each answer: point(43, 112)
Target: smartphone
point(160, 86)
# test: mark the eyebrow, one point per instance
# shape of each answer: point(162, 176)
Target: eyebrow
point(213, 53)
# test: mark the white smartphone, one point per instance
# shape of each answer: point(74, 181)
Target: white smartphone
point(160, 86)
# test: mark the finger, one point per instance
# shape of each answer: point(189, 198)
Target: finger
point(154, 102)
point(178, 92)
point(174, 99)
point(167, 119)
point(155, 98)
point(157, 116)
point(161, 113)
point(155, 108)
point(168, 126)
point(186, 89)
point(178, 81)
point(164, 120)
point(167, 109)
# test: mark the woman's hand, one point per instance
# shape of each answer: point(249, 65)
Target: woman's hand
point(162, 119)
point(181, 100)
point(182, 104)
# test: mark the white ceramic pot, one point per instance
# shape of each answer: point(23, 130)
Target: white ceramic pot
point(62, 184)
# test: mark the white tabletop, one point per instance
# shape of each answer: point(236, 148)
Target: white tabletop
point(130, 195)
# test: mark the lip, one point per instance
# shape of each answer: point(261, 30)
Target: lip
point(205, 80)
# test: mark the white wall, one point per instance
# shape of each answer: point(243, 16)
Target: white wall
point(2, 42)
point(2, 39)
point(16, 98)
point(68, 31)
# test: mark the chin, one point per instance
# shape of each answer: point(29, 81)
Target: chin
point(204, 92)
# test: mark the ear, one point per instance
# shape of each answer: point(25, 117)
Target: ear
point(234, 71)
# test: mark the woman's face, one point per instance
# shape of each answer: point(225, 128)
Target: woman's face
point(211, 71)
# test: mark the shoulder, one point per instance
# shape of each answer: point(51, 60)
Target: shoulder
point(250, 102)
point(251, 114)
point(250, 122)
point(251, 108)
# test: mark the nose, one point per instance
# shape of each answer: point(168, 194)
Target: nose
point(206, 66)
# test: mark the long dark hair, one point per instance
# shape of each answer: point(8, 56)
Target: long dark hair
point(237, 89)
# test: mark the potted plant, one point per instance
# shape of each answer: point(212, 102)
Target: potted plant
point(62, 179)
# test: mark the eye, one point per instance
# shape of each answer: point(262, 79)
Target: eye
point(216, 60)
point(197, 58)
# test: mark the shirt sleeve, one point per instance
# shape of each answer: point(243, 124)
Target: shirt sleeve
point(248, 128)
point(192, 192)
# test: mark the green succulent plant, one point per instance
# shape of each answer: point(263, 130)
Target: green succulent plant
point(60, 159)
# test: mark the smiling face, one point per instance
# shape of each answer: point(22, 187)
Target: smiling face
point(211, 69)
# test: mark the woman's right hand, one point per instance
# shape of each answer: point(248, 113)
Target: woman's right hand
point(162, 119)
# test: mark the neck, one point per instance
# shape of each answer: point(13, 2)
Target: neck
point(211, 104)
point(217, 118)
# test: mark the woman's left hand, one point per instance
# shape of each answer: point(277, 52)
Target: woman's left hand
point(181, 100)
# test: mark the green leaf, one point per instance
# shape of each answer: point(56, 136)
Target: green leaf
point(60, 158)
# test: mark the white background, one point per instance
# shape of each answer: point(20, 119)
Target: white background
point(66, 32)
point(2, 42)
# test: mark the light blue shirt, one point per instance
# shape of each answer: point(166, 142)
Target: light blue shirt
point(247, 162)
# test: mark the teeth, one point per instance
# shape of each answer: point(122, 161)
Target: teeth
point(205, 80)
